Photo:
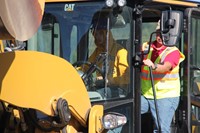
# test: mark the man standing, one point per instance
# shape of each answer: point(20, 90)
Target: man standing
point(165, 65)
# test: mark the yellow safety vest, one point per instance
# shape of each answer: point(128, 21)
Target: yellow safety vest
point(166, 84)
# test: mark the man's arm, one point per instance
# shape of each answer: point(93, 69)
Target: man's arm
point(171, 61)
point(122, 73)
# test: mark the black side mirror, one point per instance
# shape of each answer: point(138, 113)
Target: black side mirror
point(171, 27)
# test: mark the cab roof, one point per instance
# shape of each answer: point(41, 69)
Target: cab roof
point(187, 3)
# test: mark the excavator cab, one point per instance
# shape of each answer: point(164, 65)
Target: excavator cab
point(58, 87)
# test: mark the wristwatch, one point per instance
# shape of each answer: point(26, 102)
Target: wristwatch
point(155, 66)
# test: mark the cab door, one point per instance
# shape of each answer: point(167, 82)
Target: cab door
point(190, 107)
point(116, 94)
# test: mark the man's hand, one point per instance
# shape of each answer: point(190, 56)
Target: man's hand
point(165, 67)
point(149, 63)
point(100, 82)
point(99, 78)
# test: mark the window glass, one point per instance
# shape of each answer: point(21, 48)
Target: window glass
point(109, 50)
point(70, 34)
point(73, 56)
point(56, 39)
point(147, 29)
point(195, 54)
point(41, 41)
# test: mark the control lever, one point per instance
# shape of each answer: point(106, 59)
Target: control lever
point(100, 58)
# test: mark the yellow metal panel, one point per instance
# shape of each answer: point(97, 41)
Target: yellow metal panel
point(95, 119)
point(1, 46)
point(64, 0)
point(33, 79)
point(177, 2)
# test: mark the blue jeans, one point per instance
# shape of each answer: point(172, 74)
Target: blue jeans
point(166, 110)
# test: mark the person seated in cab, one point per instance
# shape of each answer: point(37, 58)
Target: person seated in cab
point(117, 68)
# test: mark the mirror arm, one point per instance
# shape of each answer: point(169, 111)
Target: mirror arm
point(138, 59)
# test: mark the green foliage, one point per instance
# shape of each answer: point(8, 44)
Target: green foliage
point(147, 29)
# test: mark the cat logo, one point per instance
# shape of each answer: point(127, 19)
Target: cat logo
point(69, 7)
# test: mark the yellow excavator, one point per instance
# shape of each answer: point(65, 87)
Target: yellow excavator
point(40, 92)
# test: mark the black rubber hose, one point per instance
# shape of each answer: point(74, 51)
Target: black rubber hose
point(155, 100)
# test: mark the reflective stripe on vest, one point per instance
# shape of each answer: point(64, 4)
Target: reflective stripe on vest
point(161, 76)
